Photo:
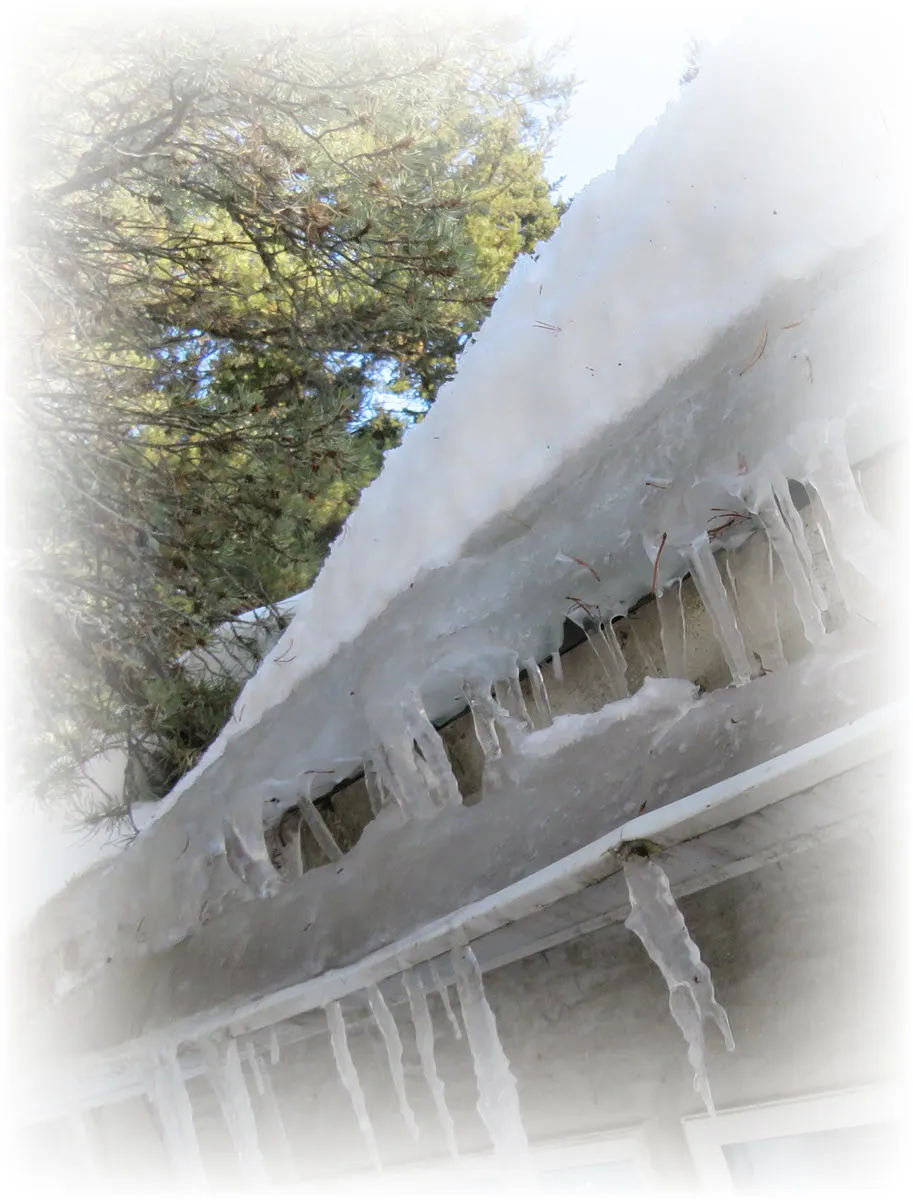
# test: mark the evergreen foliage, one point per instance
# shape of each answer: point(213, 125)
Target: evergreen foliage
point(231, 245)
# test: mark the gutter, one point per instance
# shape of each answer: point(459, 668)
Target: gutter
point(806, 766)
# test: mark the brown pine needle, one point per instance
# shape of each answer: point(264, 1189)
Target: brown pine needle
point(793, 324)
point(511, 517)
point(759, 350)
point(587, 608)
point(581, 563)
point(662, 542)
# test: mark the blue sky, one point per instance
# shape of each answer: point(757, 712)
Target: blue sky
point(628, 58)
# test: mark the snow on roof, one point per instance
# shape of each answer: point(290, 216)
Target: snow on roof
point(664, 331)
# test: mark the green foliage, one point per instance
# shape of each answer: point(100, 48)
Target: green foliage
point(231, 244)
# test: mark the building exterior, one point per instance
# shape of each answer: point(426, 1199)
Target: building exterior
point(641, 632)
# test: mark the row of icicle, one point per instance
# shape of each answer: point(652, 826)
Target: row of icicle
point(654, 918)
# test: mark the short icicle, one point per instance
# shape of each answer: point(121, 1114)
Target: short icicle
point(509, 695)
point(650, 668)
point(856, 536)
point(349, 1077)
point(619, 665)
point(273, 1046)
point(607, 651)
point(440, 774)
point(709, 584)
point(796, 526)
point(318, 826)
point(394, 1047)
point(226, 1074)
point(444, 993)
point(374, 787)
point(499, 1102)
point(540, 693)
point(657, 921)
point(487, 714)
point(672, 628)
point(760, 499)
point(424, 1040)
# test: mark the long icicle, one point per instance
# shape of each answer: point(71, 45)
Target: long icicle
point(424, 1040)
point(657, 921)
point(349, 1077)
point(444, 993)
point(172, 1103)
point(499, 1102)
point(226, 1074)
point(394, 1047)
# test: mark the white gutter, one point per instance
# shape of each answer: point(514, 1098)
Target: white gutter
point(804, 767)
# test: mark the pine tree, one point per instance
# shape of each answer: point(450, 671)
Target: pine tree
point(232, 247)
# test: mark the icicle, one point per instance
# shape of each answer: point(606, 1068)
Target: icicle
point(796, 526)
point(424, 1040)
point(374, 787)
point(444, 993)
point(296, 850)
point(394, 1046)
point(509, 697)
point(440, 774)
point(225, 1073)
point(857, 537)
point(619, 669)
point(264, 1085)
point(273, 1046)
point(254, 870)
point(672, 628)
point(484, 712)
point(386, 775)
point(349, 1077)
point(80, 1125)
point(759, 497)
point(540, 693)
point(707, 579)
point(172, 1104)
point(757, 618)
point(608, 652)
point(253, 1062)
point(557, 668)
point(499, 1103)
point(655, 919)
point(410, 783)
point(771, 579)
point(650, 668)
point(318, 826)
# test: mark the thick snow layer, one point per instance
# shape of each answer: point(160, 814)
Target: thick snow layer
point(754, 180)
